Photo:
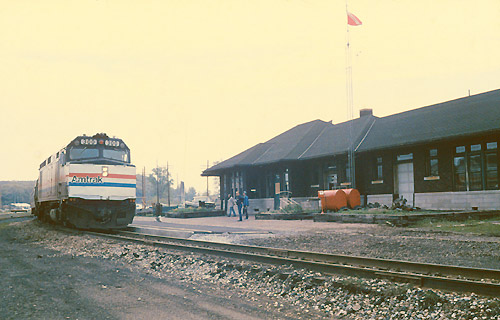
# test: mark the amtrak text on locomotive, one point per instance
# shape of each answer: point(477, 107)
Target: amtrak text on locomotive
point(86, 179)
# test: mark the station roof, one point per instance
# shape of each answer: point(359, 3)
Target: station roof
point(309, 140)
point(477, 114)
point(315, 139)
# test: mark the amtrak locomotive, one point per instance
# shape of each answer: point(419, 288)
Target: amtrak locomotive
point(89, 184)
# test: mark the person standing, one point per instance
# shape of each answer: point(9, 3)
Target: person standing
point(246, 203)
point(239, 202)
point(158, 211)
point(230, 203)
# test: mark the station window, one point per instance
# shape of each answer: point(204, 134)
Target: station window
point(286, 180)
point(460, 149)
point(332, 176)
point(379, 173)
point(348, 171)
point(459, 173)
point(269, 185)
point(405, 157)
point(432, 169)
point(491, 156)
point(476, 167)
point(314, 180)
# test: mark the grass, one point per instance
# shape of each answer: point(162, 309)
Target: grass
point(385, 211)
point(293, 208)
point(487, 227)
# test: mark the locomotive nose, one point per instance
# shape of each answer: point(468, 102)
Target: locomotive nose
point(103, 215)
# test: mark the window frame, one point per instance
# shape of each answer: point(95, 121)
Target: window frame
point(83, 149)
point(490, 152)
point(430, 157)
point(475, 153)
point(378, 170)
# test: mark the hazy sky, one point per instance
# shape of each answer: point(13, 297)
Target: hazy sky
point(186, 81)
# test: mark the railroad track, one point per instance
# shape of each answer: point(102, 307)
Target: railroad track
point(435, 276)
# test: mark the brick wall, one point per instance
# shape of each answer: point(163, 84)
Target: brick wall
point(267, 204)
point(466, 200)
point(261, 205)
point(383, 199)
point(309, 203)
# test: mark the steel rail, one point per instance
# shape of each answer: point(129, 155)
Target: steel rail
point(331, 264)
point(407, 266)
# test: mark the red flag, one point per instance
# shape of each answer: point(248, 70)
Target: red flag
point(352, 20)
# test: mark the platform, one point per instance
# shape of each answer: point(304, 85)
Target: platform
point(187, 228)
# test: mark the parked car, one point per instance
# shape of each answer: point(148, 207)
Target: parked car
point(200, 202)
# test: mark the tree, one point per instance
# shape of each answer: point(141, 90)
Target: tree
point(190, 194)
point(175, 192)
point(16, 191)
point(216, 181)
point(164, 185)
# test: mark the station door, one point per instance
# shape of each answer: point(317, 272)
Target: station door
point(405, 186)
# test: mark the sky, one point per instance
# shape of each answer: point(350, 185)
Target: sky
point(191, 81)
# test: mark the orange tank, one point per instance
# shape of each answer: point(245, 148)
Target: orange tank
point(332, 200)
point(353, 198)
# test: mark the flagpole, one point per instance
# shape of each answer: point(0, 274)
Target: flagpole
point(350, 105)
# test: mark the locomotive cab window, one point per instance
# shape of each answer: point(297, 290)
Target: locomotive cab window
point(83, 153)
point(120, 155)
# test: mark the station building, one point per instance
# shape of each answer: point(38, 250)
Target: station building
point(443, 156)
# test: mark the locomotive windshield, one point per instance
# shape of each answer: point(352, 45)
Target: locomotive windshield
point(120, 155)
point(98, 154)
point(83, 153)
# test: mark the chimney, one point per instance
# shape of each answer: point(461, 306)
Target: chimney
point(365, 112)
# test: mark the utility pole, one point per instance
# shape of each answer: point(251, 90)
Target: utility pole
point(144, 188)
point(207, 178)
point(168, 186)
point(183, 193)
point(157, 184)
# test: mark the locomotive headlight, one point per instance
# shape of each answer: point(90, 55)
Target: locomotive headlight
point(104, 171)
point(106, 142)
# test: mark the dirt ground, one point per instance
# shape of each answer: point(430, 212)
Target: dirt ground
point(39, 282)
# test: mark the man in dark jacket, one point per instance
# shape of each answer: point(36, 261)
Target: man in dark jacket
point(239, 202)
point(246, 203)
